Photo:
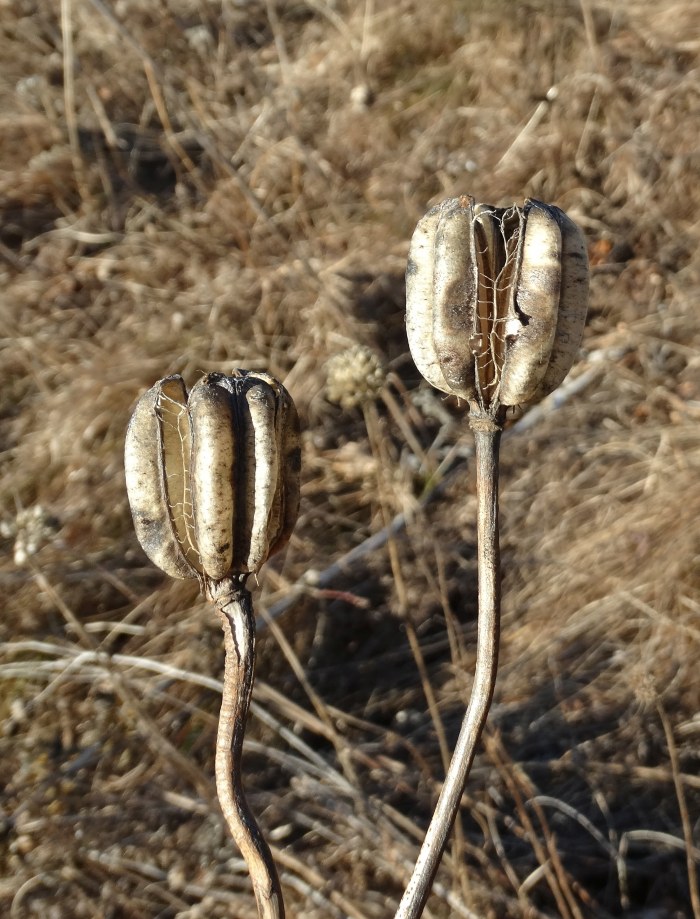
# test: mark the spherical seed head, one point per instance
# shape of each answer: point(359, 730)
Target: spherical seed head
point(354, 376)
point(213, 475)
point(496, 300)
point(32, 528)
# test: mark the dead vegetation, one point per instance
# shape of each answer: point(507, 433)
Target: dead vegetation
point(191, 185)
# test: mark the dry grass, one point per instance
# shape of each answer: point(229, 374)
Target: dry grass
point(191, 185)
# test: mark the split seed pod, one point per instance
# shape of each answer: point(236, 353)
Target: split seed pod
point(496, 300)
point(213, 476)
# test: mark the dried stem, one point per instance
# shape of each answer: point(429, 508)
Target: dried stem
point(686, 822)
point(487, 435)
point(235, 607)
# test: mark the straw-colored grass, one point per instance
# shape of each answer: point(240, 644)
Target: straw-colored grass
point(188, 186)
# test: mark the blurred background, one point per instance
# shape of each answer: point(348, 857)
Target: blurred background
point(196, 185)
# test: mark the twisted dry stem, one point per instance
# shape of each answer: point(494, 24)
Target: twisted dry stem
point(487, 434)
point(235, 607)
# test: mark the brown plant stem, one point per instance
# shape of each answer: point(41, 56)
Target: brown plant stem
point(235, 607)
point(686, 822)
point(487, 435)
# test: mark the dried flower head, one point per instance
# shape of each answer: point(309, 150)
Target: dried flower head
point(496, 300)
point(354, 376)
point(31, 529)
point(213, 476)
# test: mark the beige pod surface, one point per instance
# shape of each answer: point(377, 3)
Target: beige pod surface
point(212, 423)
point(551, 295)
point(534, 302)
point(573, 304)
point(261, 402)
point(147, 453)
point(455, 295)
point(421, 285)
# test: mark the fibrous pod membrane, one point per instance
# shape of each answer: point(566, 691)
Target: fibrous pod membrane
point(213, 476)
point(496, 300)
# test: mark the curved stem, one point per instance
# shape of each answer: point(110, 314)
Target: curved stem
point(238, 620)
point(487, 435)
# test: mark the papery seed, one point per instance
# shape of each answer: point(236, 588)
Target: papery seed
point(176, 451)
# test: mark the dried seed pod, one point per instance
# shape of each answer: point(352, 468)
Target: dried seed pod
point(496, 300)
point(213, 477)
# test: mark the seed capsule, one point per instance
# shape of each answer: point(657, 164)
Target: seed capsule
point(496, 300)
point(213, 477)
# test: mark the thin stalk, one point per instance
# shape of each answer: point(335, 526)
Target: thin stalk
point(487, 435)
point(683, 806)
point(235, 608)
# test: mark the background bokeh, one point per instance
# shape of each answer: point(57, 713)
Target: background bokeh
point(190, 185)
